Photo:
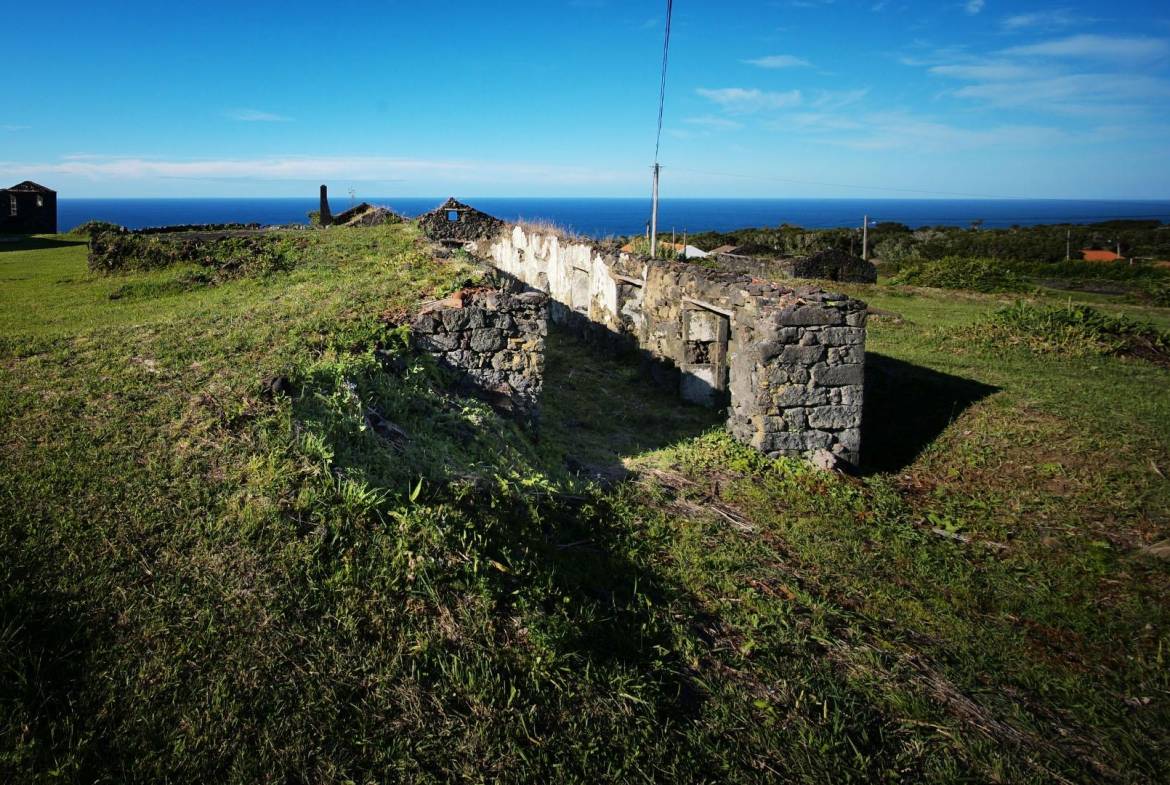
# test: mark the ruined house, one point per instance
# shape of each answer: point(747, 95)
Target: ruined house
point(28, 208)
point(786, 361)
point(828, 265)
point(455, 223)
point(366, 214)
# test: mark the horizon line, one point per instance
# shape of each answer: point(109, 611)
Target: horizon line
point(923, 198)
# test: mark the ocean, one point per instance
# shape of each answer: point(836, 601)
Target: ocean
point(601, 217)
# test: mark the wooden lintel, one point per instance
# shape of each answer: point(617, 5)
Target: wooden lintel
point(626, 279)
point(709, 307)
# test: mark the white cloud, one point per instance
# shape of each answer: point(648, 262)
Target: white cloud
point(741, 100)
point(1050, 19)
point(819, 122)
point(12, 128)
point(1088, 93)
point(835, 99)
point(973, 7)
point(257, 116)
point(311, 168)
point(712, 122)
point(1096, 47)
point(987, 71)
point(1075, 75)
point(907, 130)
point(779, 61)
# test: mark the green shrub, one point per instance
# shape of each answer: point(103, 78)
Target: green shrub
point(1159, 293)
point(90, 228)
point(1076, 330)
point(958, 272)
point(666, 251)
point(227, 257)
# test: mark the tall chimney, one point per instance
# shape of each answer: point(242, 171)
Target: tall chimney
point(326, 216)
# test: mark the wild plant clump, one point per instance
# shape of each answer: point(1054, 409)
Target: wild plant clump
point(90, 228)
point(667, 251)
point(227, 257)
point(960, 272)
point(1078, 331)
point(1159, 293)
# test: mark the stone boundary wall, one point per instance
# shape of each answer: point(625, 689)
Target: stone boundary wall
point(787, 361)
point(225, 251)
point(494, 342)
point(829, 265)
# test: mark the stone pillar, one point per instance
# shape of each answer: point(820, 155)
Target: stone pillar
point(326, 216)
point(797, 384)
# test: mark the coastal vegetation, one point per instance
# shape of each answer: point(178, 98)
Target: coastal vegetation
point(250, 535)
point(896, 243)
point(988, 260)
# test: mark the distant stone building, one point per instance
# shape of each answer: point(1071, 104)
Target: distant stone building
point(28, 208)
point(454, 222)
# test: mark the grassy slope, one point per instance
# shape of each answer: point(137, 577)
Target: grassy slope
point(202, 583)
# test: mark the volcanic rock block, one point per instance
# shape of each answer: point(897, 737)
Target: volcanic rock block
point(493, 342)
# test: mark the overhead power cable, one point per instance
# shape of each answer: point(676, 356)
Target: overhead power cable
point(662, 81)
point(658, 137)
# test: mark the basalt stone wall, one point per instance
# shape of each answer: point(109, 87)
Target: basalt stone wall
point(225, 253)
point(830, 265)
point(787, 361)
point(494, 342)
point(797, 381)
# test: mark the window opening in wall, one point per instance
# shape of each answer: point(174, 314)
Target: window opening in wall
point(40, 201)
point(452, 215)
point(12, 205)
point(704, 368)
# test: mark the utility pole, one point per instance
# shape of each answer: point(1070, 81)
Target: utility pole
point(654, 216)
point(865, 238)
point(1068, 246)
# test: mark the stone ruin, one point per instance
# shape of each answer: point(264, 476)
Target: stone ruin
point(455, 223)
point(827, 265)
point(786, 361)
point(494, 343)
point(364, 214)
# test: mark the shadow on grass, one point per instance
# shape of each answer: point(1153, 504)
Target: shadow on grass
point(35, 243)
point(600, 406)
point(907, 406)
point(46, 648)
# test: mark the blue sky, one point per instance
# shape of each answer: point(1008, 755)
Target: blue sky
point(801, 98)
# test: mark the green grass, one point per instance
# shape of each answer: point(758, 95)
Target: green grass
point(203, 581)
